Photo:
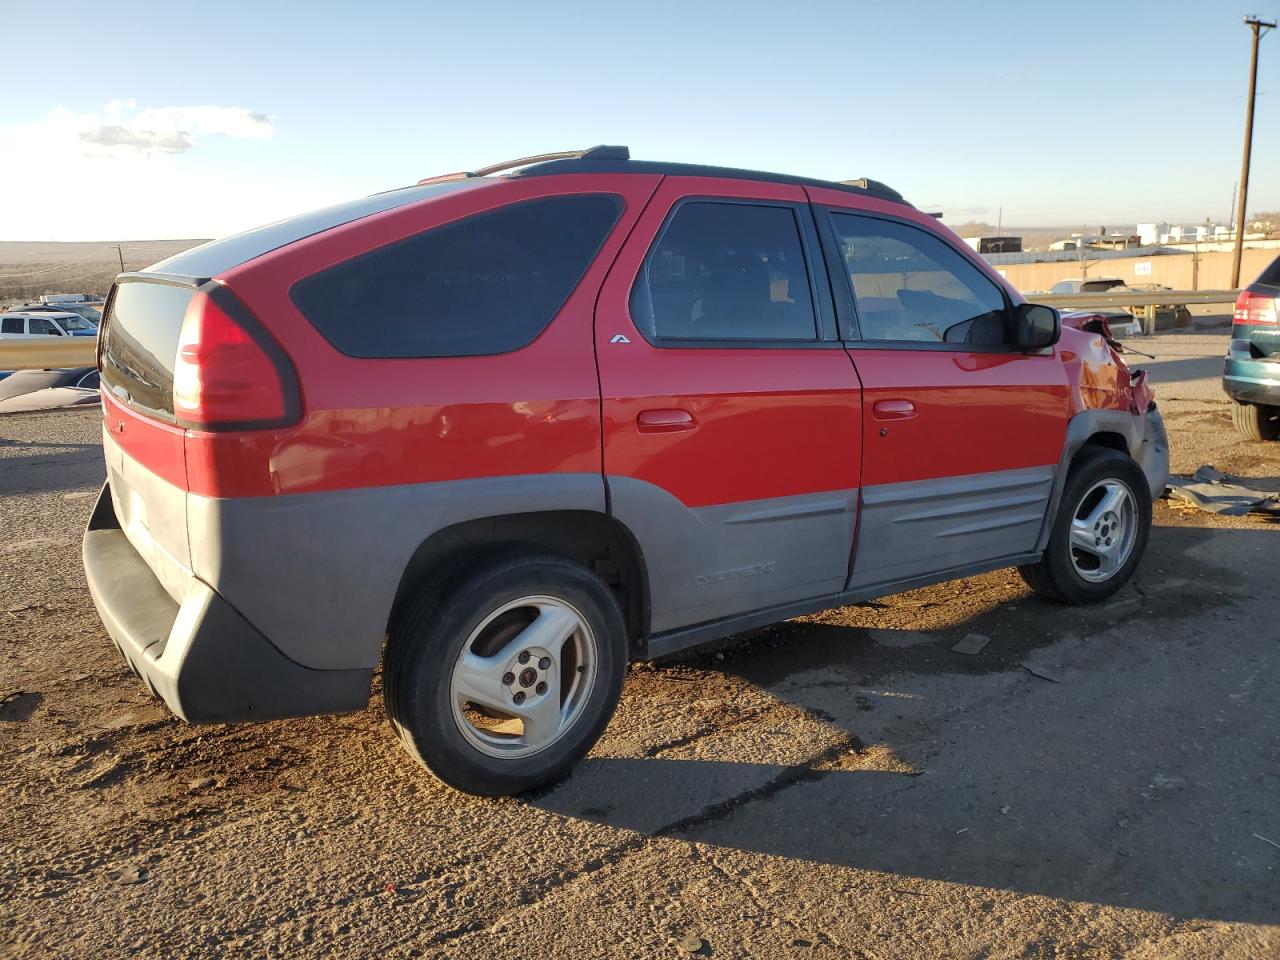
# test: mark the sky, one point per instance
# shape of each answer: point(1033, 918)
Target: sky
point(149, 120)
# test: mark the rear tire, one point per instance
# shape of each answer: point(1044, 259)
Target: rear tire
point(1099, 533)
point(1255, 422)
point(538, 641)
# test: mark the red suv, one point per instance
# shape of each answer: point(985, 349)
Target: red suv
point(507, 431)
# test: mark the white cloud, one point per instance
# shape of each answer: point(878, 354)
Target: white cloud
point(130, 173)
point(122, 128)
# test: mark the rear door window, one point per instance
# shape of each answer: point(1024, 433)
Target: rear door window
point(482, 285)
point(912, 287)
point(140, 343)
point(726, 271)
point(43, 326)
point(11, 325)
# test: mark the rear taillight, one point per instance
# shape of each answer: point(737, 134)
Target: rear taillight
point(1255, 308)
point(230, 373)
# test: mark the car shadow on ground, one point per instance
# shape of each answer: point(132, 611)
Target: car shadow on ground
point(1136, 767)
point(1163, 371)
point(75, 465)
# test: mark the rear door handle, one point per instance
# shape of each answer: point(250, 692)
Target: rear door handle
point(665, 421)
point(894, 410)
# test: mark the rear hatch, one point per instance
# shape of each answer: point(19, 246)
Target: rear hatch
point(146, 468)
point(183, 360)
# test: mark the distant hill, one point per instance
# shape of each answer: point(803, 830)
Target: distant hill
point(29, 268)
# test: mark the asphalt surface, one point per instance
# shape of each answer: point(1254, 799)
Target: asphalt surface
point(1094, 782)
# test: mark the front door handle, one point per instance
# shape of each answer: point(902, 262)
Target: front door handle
point(665, 421)
point(894, 410)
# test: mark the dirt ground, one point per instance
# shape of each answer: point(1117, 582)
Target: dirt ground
point(1095, 782)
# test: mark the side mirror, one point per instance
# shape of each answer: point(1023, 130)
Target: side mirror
point(1036, 326)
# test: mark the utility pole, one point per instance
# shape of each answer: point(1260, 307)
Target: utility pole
point(1259, 28)
point(120, 254)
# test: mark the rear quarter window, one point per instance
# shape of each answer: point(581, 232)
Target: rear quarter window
point(485, 284)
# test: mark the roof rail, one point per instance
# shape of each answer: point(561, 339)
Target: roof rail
point(601, 152)
point(873, 187)
point(617, 159)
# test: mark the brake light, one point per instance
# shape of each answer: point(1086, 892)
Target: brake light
point(230, 373)
point(1255, 308)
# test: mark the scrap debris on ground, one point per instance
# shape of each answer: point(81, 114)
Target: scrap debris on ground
point(1216, 492)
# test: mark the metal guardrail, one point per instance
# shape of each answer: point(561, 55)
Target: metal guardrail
point(1145, 300)
point(1133, 298)
point(39, 353)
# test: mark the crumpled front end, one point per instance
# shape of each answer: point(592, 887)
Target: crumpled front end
point(1108, 397)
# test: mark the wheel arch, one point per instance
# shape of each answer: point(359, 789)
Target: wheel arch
point(1103, 439)
point(1091, 430)
point(594, 539)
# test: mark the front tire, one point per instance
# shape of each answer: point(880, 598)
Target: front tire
point(1100, 532)
point(502, 679)
point(1255, 422)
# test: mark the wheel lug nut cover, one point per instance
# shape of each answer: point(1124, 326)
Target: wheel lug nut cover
point(508, 679)
point(541, 688)
point(544, 663)
point(524, 656)
point(519, 697)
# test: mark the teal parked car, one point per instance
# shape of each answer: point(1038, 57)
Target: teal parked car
point(1251, 377)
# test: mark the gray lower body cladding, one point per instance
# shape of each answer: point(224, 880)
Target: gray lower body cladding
point(278, 606)
point(1143, 436)
point(202, 657)
point(318, 572)
point(919, 527)
point(716, 561)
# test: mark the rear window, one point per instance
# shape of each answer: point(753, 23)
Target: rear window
point(140, 343)
point(1098, 286)
point(482, 285)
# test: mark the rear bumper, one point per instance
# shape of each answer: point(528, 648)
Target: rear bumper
point(1247, 379)
point(202, 657)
